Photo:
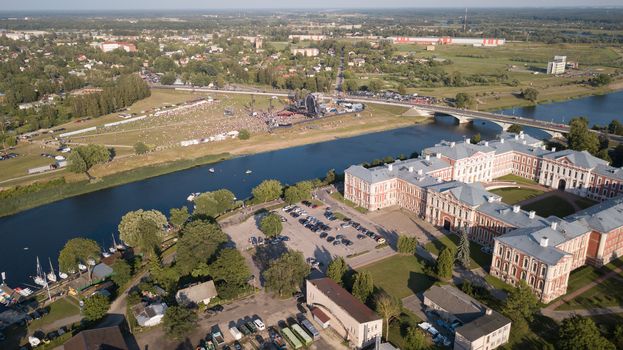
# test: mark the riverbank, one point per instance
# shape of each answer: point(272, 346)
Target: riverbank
point(131, 168)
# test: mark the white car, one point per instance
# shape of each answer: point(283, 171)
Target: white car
point(259, 324)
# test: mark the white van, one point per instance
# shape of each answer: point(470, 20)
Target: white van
point(235, 333)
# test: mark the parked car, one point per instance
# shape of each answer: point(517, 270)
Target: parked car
point(330, 239)
point(323, 235)
point(259, 324)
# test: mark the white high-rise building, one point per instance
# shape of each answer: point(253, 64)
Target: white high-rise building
point(557, 66)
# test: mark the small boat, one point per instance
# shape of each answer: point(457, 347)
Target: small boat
point(26, 248)
point(105, 254)
point(91, 261)
point(40, 277)
point(248, 172)
point(192, 196)
point(24, 291)
point(82, 267)
point(62, 275)
point(113, 249)
point(51, 275)
point(211, 170)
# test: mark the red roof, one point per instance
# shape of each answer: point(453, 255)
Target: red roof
point(343, 299)
point(320, 315)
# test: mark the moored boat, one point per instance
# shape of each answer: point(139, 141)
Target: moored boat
point(51, 275)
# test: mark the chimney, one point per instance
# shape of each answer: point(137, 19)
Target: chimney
point(468, 141)
point(486, 143)
point(531, 214)
point(553, 149)
point(554, 225)
point(427, 157)
point(521, 135)
point(516, 137)
point(390, 167)
point(488, 311)
point(438, 155)
point(490, 199)
point(410, 169)
point(516, 208)
point(520, 132)
point(501, 140)
point(544, 241)
point(420, 172)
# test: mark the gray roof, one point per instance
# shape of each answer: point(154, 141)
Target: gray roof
point(457, 150)
point(504, 212)
point(101, 271)
point(143, 312)
point(473, 314)
point(473, 194)
point(516, 146)
point(603, 217)
point(609, 171)
point(197, 293)
point(581, 159)
point(399, 169)
point(520, 138)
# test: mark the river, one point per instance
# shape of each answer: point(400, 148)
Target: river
point(43, 231)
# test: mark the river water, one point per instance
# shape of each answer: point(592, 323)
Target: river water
point(43, 231)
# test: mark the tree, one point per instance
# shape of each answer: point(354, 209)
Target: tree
point(215, 203)
point(445, 261)
point(179, 321)
point(168, 79)
point(266, 191)
point(77, 251)
point(615, 127)
point(140, 148)
point(521, 303)
point(415, 339)
point(292, 195)
point(407, 245)
point(121, 272)
point(463, 100)
point(475, 139)
point(244, 134)
point(83, 158)
point(199, 242)
point(617, 155)
point(330, 177)
point(363, 286)
point(95, 307)
point(230, 273)
point(581, 333)
point(388, 307)
point(600, 80)
point(462, 254)
point(375, 85)
point(178, 217)
point(530, 94)
point(286, 273)
point(618, 336)
point(603, 154)
point(581, 138)
point(515, 128)
point(402, 89)
point(130, 225)
point(270, 225)
point(336, 270)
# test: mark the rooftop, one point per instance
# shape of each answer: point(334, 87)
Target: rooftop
point(346, 301)
point(196, 293)
point(473, 194)
point(457, 150)
point(109, 338)
point(603, 217)
point(409, 170)
point(582, 159)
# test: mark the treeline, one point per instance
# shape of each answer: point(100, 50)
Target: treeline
point(127, 90)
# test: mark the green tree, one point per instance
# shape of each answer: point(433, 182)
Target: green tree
point(179, 321)
point(95, 307)
point(244, 134)
point(581, 333)
point(415, 339)
point(292, 195)
point(286, 273)
point(618, 336)
point(515, 128)
point(168, 79)
point(581, 138)
point(389, 308)
point(617, 155)
point(600, 80)
point(463, 100)
point(266, 191)
point(521, 303)
point(603, 154)
point(140, 148)
point(199, 242)
point(178, 217)
point(462, 254)
point(445, 262)
point(363, 286)
point(83, 158)
point(475, 139)
point(407, 245)
point(150, 237)
point(375, 85)
point(270, 225)
point(121, 272)
point(402, 89)
point(77, 251)
point(330, 177)
point(530, 94)
point(336, 270)
point(215, 203)
point(129, 227)
point(615, 127)
point(230, 273)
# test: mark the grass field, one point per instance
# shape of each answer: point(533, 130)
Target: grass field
point(552, 205)
point(515, 195)
point(59, 309)
point(479, 259)
point(399, 275)
point(517, 179)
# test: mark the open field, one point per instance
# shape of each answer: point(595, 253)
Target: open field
point(517, 179)
point(515, 195)
point(551, 205)
point(479, 259)
point(399, 275)
point(60, 309)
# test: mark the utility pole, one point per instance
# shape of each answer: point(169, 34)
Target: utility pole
point(465, 21)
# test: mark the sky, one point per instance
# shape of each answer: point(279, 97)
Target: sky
point(34, 5)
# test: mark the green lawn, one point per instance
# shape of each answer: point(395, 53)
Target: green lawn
point(399, 275)
point(398, 328)
point(605, 294)
point(338, 196)
point(58, 310)
point(498, 283)
point(515, 195)
point(517, 179)
point(553, 205)
point(479, 259)
point(584, 202)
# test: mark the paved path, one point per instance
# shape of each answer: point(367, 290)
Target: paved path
point(549, 310)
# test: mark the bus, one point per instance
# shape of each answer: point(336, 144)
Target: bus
point(287, 333)
point(307, 340)
point(310, 328)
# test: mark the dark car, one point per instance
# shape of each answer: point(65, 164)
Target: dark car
point(347, 242)
point(323, 235)
point(302, 221)
point(330, 239)
point(237, 345)
point(339, 237)
point(361, 237)
point(337, 242)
